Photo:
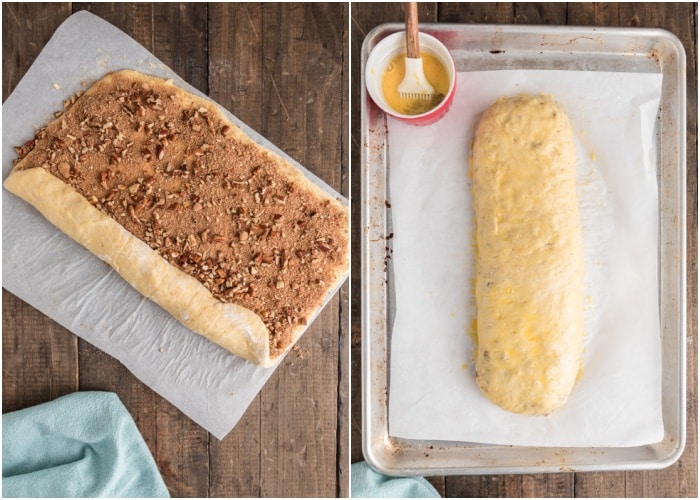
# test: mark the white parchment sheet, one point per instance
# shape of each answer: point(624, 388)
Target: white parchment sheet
point(433, 394)
point(57, 276)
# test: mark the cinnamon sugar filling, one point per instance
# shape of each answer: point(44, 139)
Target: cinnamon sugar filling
point(218, 208)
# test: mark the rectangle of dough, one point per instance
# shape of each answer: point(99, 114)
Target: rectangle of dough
point(529, 263)
point(229, 237)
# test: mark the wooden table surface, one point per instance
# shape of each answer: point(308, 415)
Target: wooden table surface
point(282, 69)
point(290, 84)
point(679, 480)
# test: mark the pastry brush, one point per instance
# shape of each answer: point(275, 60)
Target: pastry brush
point(414, 84)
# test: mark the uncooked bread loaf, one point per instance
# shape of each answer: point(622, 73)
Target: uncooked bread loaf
point(529, 264)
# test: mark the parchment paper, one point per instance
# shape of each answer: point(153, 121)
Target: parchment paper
point(432, 393)
point(60, 278)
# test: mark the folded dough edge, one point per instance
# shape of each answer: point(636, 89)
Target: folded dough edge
point(233, 327)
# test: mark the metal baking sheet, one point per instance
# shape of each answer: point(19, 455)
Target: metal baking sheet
point(494, 47)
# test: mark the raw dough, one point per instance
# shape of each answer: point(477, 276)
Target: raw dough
point(529, 264)
point(131, 148)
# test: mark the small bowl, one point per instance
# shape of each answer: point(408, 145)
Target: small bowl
point(389, 48)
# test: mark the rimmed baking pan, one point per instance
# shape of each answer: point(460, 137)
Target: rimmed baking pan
point(491, 47)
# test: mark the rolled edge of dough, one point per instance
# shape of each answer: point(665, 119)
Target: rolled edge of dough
point(235, 328)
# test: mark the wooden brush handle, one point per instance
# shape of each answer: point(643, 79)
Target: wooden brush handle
point(412, 45)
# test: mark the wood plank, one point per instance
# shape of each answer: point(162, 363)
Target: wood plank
point(26, 29)
point(179, 39)
point(235, 61)
point(356, 454)
point(689, 461)
point(235, 460)
point(598, 485)
point(39, 357)
point(302, 64)
point(475, 487)
point(539, 13)
point(298, 450)
point(477, 12)
point(286, 84)
point(510, 485)
point(343, 417)
point(544, 485)
point(174, 34)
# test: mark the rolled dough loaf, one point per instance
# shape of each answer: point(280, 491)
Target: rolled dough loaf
point(529, 264)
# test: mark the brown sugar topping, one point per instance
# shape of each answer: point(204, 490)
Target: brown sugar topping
point(176, 176)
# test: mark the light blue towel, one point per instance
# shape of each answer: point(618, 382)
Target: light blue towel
point(367, 483)
point(81, 445)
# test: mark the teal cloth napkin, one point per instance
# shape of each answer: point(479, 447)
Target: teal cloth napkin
point(368, 483)
point(81, 445)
